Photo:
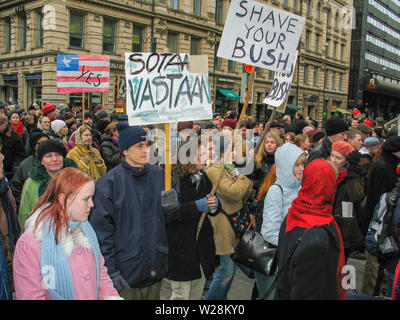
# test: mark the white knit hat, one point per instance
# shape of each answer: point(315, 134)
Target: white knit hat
point(57, 125)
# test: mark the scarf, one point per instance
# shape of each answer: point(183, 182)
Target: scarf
point(314, 206)
point(18, 128)
point(55, 265)
point(39, 173)
point(341, 176)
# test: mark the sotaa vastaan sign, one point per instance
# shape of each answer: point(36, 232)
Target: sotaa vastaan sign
point(260, 35)
point(161, 89)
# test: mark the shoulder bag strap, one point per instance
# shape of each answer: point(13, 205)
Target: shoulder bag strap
point(273, 285)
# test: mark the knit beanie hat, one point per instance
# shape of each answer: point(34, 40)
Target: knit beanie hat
point(335, 125)
point(34, 138)
point(318, 135)
point(307, 129)
point(48, 108)
point(372, 143)
point(392, 144)
point(356, 112)
point(101, 114)
point(57, 125)
point(51, 145)
point(229, 123)
point(368, 123)
point(184, 125)
point(129, 135)
point(68, 115)
point(342, 147)
point(364, 128)
point(210, 126)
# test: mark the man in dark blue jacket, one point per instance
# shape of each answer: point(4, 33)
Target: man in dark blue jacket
point(129, 216)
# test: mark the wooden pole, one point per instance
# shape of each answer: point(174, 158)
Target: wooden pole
point(83, 107)
point(242, 113)
point(167, 169)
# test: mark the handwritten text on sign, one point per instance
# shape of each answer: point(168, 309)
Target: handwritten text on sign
point(260, 35)
point(281, 86)
point(83, 73)
point(160, 89)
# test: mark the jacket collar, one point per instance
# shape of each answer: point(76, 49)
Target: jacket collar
point(134, 171)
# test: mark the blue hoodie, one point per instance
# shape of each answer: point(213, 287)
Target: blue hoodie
point(278, 201)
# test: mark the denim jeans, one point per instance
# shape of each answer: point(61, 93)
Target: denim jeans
point(223, 279)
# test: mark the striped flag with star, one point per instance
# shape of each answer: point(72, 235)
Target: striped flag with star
point(83, 73)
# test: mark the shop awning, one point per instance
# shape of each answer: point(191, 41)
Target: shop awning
point(229, 94)
point(344, 111)
point(293, 107)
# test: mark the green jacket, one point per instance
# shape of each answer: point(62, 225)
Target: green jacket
point(34, 187)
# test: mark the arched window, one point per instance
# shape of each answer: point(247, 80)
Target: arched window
point(319, 11)
point(309, 8)
point(337, 20)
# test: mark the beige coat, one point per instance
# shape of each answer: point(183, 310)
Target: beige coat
point(231, 192)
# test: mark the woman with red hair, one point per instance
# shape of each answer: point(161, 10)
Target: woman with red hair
point(58, 256)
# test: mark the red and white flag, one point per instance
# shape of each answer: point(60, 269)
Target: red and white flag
point(83, 73)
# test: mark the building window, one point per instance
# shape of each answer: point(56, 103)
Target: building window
point(172, 42)
point(137, 39)
point(328, 18)
point(76, 30)
point(315, 77)
point(7, 34)
point(295, 5)
point(195, 46)
point(309, 8)
point(174, 4)
point(340, 81)
point(306, 69)
point(22, 33)
point(217, 61)
point(197, 8)
point(218, 12)
point(342, 48)
point(39, 40)
point(109, 35)
point(335, 44)
point(231, 66)
point(319, 11)
point(327, 47)
point(308, 36)
point(271, 74)
point(317, 42)
point(333, 80)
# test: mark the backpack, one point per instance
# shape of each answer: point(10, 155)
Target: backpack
point(382, 239)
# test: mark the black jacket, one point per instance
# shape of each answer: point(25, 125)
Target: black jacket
point(259, 174)
point(110, 152)
point(13, 151)
point(311, 272)
point(381, 179)
point(185, 253)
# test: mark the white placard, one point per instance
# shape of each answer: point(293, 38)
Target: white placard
point(281, 86)
point(161, 89)
point(347, 209)
point(260, 35)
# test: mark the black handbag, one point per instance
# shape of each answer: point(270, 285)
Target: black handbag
point(255, 253)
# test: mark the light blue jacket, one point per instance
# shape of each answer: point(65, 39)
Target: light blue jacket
point(277, 202)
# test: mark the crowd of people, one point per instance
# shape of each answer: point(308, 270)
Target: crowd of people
point(85, 215)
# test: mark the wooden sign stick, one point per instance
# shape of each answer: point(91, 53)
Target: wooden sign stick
point(242, 113)
point(167, 168)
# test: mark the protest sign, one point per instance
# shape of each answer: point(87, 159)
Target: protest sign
point(260, 35)
point(83, 73)
point(161, 89)
point(281, 86)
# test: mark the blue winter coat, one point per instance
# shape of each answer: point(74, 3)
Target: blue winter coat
point(278, 201)
point(130, 224)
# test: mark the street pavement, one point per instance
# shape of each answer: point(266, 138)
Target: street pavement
point(242, 286)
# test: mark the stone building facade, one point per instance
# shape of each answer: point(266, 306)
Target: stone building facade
point(35, 32)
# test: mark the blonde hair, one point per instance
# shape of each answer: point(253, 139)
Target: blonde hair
point(261, 150)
